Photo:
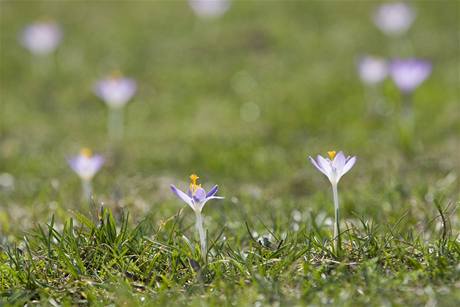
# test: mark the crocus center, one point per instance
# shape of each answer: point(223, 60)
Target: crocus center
point(331, 154)
point(194, 183)
point(86, 152)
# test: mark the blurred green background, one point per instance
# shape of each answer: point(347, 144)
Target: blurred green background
point(241, 100)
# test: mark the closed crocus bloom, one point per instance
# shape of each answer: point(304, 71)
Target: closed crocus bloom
point(209, 8)
point(408, 74)
point(372, 70)
point(115, 90)
point(41, 38)
point(86, 165)
point(334, 167)
point(394, 18)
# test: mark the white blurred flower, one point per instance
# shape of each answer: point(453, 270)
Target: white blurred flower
point(372, 70)
point(115, 90)
point(209, 8)
point(41, 38)
point(394, 18)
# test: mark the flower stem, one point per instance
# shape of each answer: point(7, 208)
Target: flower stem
point(115, 124)
point(201, 232)
point(337, 240)
point(87, 190)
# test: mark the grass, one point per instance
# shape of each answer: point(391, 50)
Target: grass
point(241, 101)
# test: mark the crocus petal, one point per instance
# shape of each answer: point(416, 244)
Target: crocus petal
point(182, 196)
point(201, 204)
point(325, 165)
point(339, 161)
point(315, 164)
point(212, 192)
point(348, 165)
point(199, 195)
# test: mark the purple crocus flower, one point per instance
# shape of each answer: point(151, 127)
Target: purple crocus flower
point(372, 70)
point(196, 197)
point(41, 38)
point(394, 18)
point(408, 74)
point(335, 166)
point(116, 90)
point(86, 165)
point(209, 8)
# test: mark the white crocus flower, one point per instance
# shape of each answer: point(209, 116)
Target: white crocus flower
point(334, 168)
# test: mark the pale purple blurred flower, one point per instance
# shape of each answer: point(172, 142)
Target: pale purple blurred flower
point(115, 91)
point(41, 38)
point(196, 197)
point(372, 70)
point(86, 165)
point(335, 166)
point(394, 18)
point(408, 74)
point(209, 8)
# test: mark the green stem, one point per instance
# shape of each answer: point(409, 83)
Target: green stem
point(337, 240)
point(115, 124)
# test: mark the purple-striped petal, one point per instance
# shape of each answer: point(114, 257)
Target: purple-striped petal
point(212, 192)
point(182, 196)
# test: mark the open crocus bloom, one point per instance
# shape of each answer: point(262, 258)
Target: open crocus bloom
point(408, 74)
point(335, 166)
point(209, 8)
point(394, 18)
point(41, 38)
point(196, 197)
point(86, 165)
point(116, 90)
point(372, 70)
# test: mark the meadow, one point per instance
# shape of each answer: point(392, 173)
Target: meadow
point(241, 100)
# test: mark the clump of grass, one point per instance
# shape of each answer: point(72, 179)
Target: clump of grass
point(80, 262)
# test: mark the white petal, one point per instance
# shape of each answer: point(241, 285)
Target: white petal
point(348, 165)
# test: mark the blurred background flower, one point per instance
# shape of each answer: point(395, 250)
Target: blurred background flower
point(408, 74)
point(394, 18)
point(209, 8)
point(86, 165)
point(115, 90)
point(41, 38)
point(372, 70)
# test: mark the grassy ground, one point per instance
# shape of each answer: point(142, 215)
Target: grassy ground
point(241, 101)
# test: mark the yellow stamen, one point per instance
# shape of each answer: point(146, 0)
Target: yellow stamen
point(86, 152)
point(194, 183)
point(331, 154)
